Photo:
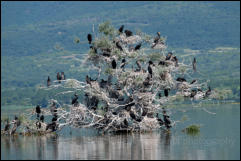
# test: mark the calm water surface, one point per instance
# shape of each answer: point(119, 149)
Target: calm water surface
point(219, 138)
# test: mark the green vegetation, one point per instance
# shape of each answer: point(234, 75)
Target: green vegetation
point(192, 129)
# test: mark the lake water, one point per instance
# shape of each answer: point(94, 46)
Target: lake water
point(219, 138)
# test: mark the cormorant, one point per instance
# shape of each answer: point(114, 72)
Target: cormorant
point(58, 77)
point(75, 100)
point(157, 38)
point(166, 92)
point(42, 118)
point(133, 116)
point(38, 110)
point(193, 81)
point(167, 120)
point(7, 126)
point(118, 46)
point(193, 93)
point(169, 55)
point(89, 37)
point(194, 64)
point(125, 123)
point(162, 63)
point(175, 60)
point(149, 70)
point(128, 33)
point(179, 79)
point(106, 54)
point(62, 76)
point(87, 79)
point(121, 28)
point(113, 63)
point(137, 47)
point(48, 82)
point(160, 95)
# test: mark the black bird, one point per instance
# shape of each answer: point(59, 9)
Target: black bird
point(75, 100)
point(149, 70)
point(175, 60)
point(52, 126)
point(42, 118)
point(7, 126)
point(113, 63)
point(54, 119)
point(160, 121)
point(166, 92)
point(193, 81)
point(133, 116)
point(38, 125)
point(118, 46)
point(38, 110)
point(194, 64)
point(193, 93)
point(121, 28)
point(151, 63)
point(62, 76)
point(48, 82)
point(128, 33)
point(146, 82)
point(169, 55)
point(87, 79)
point(157, 38)
point(167, 121)
point(162, 63)
point(125, 123)
point(179, 79)
point(89, 37)
point(58, 77)
point(106, 54)
point(160, 95)
point(137, 47)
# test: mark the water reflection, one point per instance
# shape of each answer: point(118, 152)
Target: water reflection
point(214, 142)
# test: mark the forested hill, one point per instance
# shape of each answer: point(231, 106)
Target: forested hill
point(31, 28)
point(38, 39)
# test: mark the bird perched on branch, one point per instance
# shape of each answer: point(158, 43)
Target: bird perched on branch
point(58, 77)
point(137, 47)
point(128, 33)
point(179, 79)
point(38, 110)
point(48, 81)
point(42, 118)
point(169, 55)
point(166, 92)
point(75, 100)
point(194, 66)
point(118, 46)
point(121, 29)
point(87, 79)
point(89, 37)
point(113, 63)
point(167, 120)
point(156, 40)
point(149, 69)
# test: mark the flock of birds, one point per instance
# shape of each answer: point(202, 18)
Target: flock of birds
point(92, 102)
